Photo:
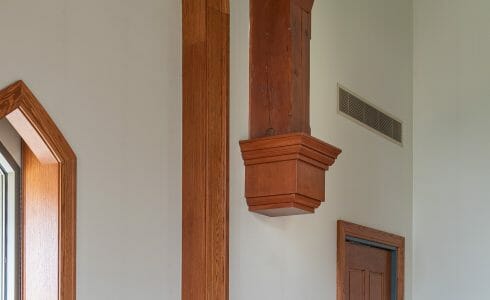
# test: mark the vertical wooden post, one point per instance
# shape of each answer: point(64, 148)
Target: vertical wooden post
point(280, 34)
point(284, 165)
point(205, 149)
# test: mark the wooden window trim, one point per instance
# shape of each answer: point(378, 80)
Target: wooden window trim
point(205, 166)
point(346, 229)
point(19, 105)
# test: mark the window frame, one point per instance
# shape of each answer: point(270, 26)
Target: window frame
point(11, 171)
point(47, 149)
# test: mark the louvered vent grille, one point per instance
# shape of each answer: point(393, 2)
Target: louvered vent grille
point(369, 116)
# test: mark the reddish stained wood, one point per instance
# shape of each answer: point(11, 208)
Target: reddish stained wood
point(280, 33)
point(345, 229)
point(205, 149)
point(306, 5)
point(39, 131)
point(367, 273)
point(285, 174)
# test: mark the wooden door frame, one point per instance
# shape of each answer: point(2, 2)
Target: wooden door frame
point(46, 142)
point(205, 165)
point(346, 229)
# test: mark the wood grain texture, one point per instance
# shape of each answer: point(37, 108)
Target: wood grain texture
point(285, 167)
point(280, 33)
point(205, 149)
point(18, 103)
point(374, 265)
point(40, 227)
point(285, 174)
point(345, 229)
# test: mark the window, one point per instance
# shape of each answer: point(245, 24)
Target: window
point(48, 206)
point(9, 226)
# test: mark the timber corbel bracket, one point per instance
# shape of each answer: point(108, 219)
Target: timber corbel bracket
point(285, 166)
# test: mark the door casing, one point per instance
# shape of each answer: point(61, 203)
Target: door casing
point(350, 232)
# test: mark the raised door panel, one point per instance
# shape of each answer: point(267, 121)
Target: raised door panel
point(368, 272)
point(355, 282)
point(376, 286)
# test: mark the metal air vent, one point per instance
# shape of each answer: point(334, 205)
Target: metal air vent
point(367, 115)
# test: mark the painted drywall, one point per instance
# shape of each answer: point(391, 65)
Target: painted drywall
point(108, 73)
point(367, 47)
point(451, 146)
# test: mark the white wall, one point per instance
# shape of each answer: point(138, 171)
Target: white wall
point(366, 46)
point(451, 147)
point(108, 72)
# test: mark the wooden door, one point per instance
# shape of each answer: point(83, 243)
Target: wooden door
point(368, 273)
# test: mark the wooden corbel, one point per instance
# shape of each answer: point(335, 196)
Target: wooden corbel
point(285, 166)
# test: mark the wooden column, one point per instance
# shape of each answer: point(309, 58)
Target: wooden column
point(205, 149)
point(280, 33)
point(285, 165)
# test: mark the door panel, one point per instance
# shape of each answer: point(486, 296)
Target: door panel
point(376, 286)
point(368, 272)
point(356, 285)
